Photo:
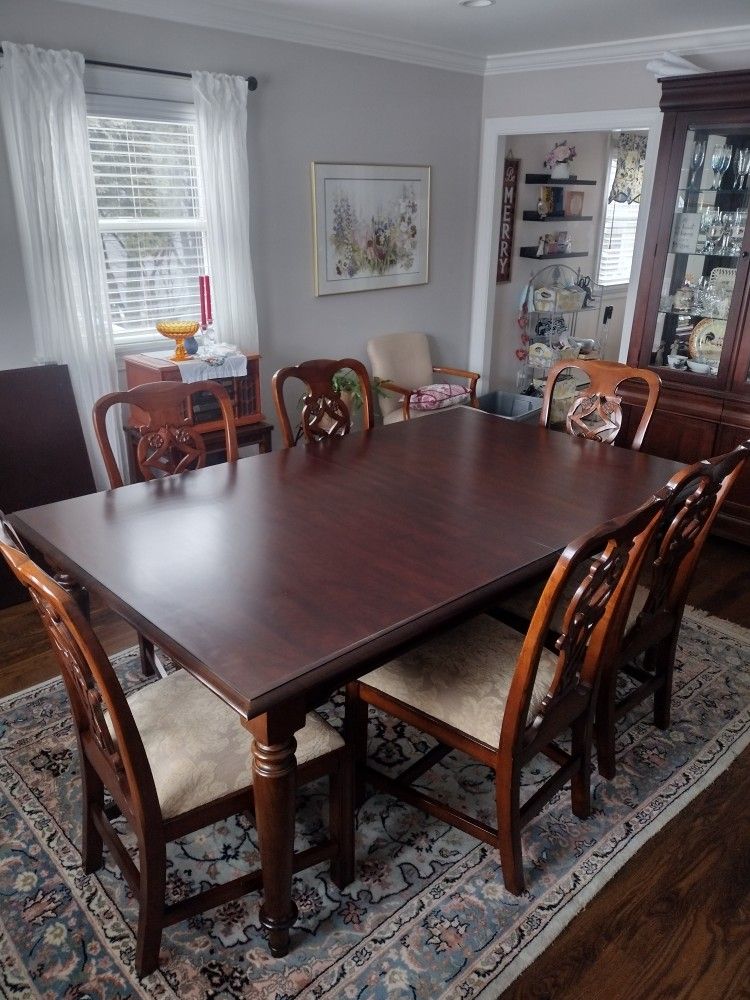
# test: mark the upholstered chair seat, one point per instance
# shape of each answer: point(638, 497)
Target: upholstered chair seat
point(197, 750)
point(463, 678)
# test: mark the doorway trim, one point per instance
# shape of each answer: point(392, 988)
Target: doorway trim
point(492, 153)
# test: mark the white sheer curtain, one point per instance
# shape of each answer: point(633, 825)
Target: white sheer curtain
point(221, 113)
point(43, 111)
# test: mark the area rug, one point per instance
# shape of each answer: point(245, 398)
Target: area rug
point(427, 917)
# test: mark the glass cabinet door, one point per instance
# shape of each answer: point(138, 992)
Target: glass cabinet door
point(699, 290)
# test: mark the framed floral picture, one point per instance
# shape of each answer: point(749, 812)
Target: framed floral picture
point(371, 226)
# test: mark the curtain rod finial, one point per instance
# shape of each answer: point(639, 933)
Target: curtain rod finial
point(252, 83)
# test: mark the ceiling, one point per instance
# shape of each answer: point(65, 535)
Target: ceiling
point(442, 31)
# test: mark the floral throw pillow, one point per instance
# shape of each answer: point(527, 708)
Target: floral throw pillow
point(436, 397)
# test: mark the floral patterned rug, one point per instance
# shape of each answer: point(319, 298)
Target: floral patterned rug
point(427, 916)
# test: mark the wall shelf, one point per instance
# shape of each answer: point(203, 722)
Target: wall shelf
point(556, 216)
point(532, 254)
point(556, 182)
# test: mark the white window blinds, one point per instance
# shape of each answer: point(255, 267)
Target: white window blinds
point(618, 239)
point(151, 222)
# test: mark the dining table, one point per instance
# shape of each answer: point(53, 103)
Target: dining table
point(276, 579)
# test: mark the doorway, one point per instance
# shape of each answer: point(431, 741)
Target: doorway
point(496, 134)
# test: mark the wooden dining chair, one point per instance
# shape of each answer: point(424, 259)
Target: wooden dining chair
point(502, 699)
point(174, 758)
point(168, 444)
point(167, 440)
point(653, 625)
point(324, 414)
point(596, 410)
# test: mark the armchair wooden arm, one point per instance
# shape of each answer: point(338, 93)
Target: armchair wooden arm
point(398, 390)
point(471, 377)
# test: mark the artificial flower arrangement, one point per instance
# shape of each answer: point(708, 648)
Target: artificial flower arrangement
point(561, 152)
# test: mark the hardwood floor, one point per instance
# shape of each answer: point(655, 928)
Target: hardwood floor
point(674, 923)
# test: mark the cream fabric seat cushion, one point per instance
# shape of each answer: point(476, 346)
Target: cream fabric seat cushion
point(525, 601)
point(463, 677)
point(196, 746)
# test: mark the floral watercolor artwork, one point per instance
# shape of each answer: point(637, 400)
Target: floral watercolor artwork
point(371, 226)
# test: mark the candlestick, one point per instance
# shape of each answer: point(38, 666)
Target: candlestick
point(202, 287)
point(209, 311)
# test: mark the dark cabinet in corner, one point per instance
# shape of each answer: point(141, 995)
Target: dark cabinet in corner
point(692, 316)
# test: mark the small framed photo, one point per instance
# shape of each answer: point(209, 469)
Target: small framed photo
point(371, 226)
point(573, 203)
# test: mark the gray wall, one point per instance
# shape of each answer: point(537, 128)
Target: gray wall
point(312, 104)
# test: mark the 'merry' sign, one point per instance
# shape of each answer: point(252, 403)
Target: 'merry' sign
point(507, 218)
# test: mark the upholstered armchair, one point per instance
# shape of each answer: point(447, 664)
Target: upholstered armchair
point(409, 388)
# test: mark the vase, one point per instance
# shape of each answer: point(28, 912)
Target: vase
point(560, 172)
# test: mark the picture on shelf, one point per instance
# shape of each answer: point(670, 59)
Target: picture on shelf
point(573, 203)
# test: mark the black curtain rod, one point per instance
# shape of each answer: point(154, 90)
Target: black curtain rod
point(252, 83)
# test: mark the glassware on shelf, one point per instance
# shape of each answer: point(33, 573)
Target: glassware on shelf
point(741, 168)
point(696, 162)
point(721, 157)
point(736, 229)
point(708, 218)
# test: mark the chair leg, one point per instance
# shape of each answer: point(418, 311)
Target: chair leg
point(508, 801)
point(92, 797)
point(341, 806)
point(604, 727)
point(152, 857)
point(355, 733)
point(661, 659)
point(580, 785)
point(146, 649)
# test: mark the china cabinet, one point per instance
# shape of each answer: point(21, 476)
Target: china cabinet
point(691, 321)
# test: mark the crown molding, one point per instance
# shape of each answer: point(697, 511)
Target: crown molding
point(231, 16)
point(626, 50)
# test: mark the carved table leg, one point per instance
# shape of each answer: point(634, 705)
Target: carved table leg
point(274, 784)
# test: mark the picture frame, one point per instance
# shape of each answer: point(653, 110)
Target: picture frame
point(371, 226)
point(573, 203)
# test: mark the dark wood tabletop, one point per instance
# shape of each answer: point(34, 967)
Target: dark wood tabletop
point(277, 578)
point(289, 569)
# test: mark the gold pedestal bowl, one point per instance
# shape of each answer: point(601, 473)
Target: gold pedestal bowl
point(178, 330)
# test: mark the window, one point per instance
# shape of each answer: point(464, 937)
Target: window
point(618, 238)
point(151, 222)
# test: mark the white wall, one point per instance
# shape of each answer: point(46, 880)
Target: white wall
point(312, 104)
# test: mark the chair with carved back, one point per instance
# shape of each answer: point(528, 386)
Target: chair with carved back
point(502, 699)
point(167, 444)
point(697, 495)
point(167, 440)
point(174, 759)
point(403, 365)
point(596, 410)
point(324, 414)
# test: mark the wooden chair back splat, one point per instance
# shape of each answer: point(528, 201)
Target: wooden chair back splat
point(539, 696)
point(324, 413)
point(596, 412)
point(168, 444)
point(697, 495)
point(113, 757)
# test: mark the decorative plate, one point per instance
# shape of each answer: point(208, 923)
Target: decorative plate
point(541, 355)
point(707, 339)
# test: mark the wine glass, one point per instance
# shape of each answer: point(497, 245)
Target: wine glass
point(741, 168)
point(696, 161)
point(707, 220)
point(721, 157)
